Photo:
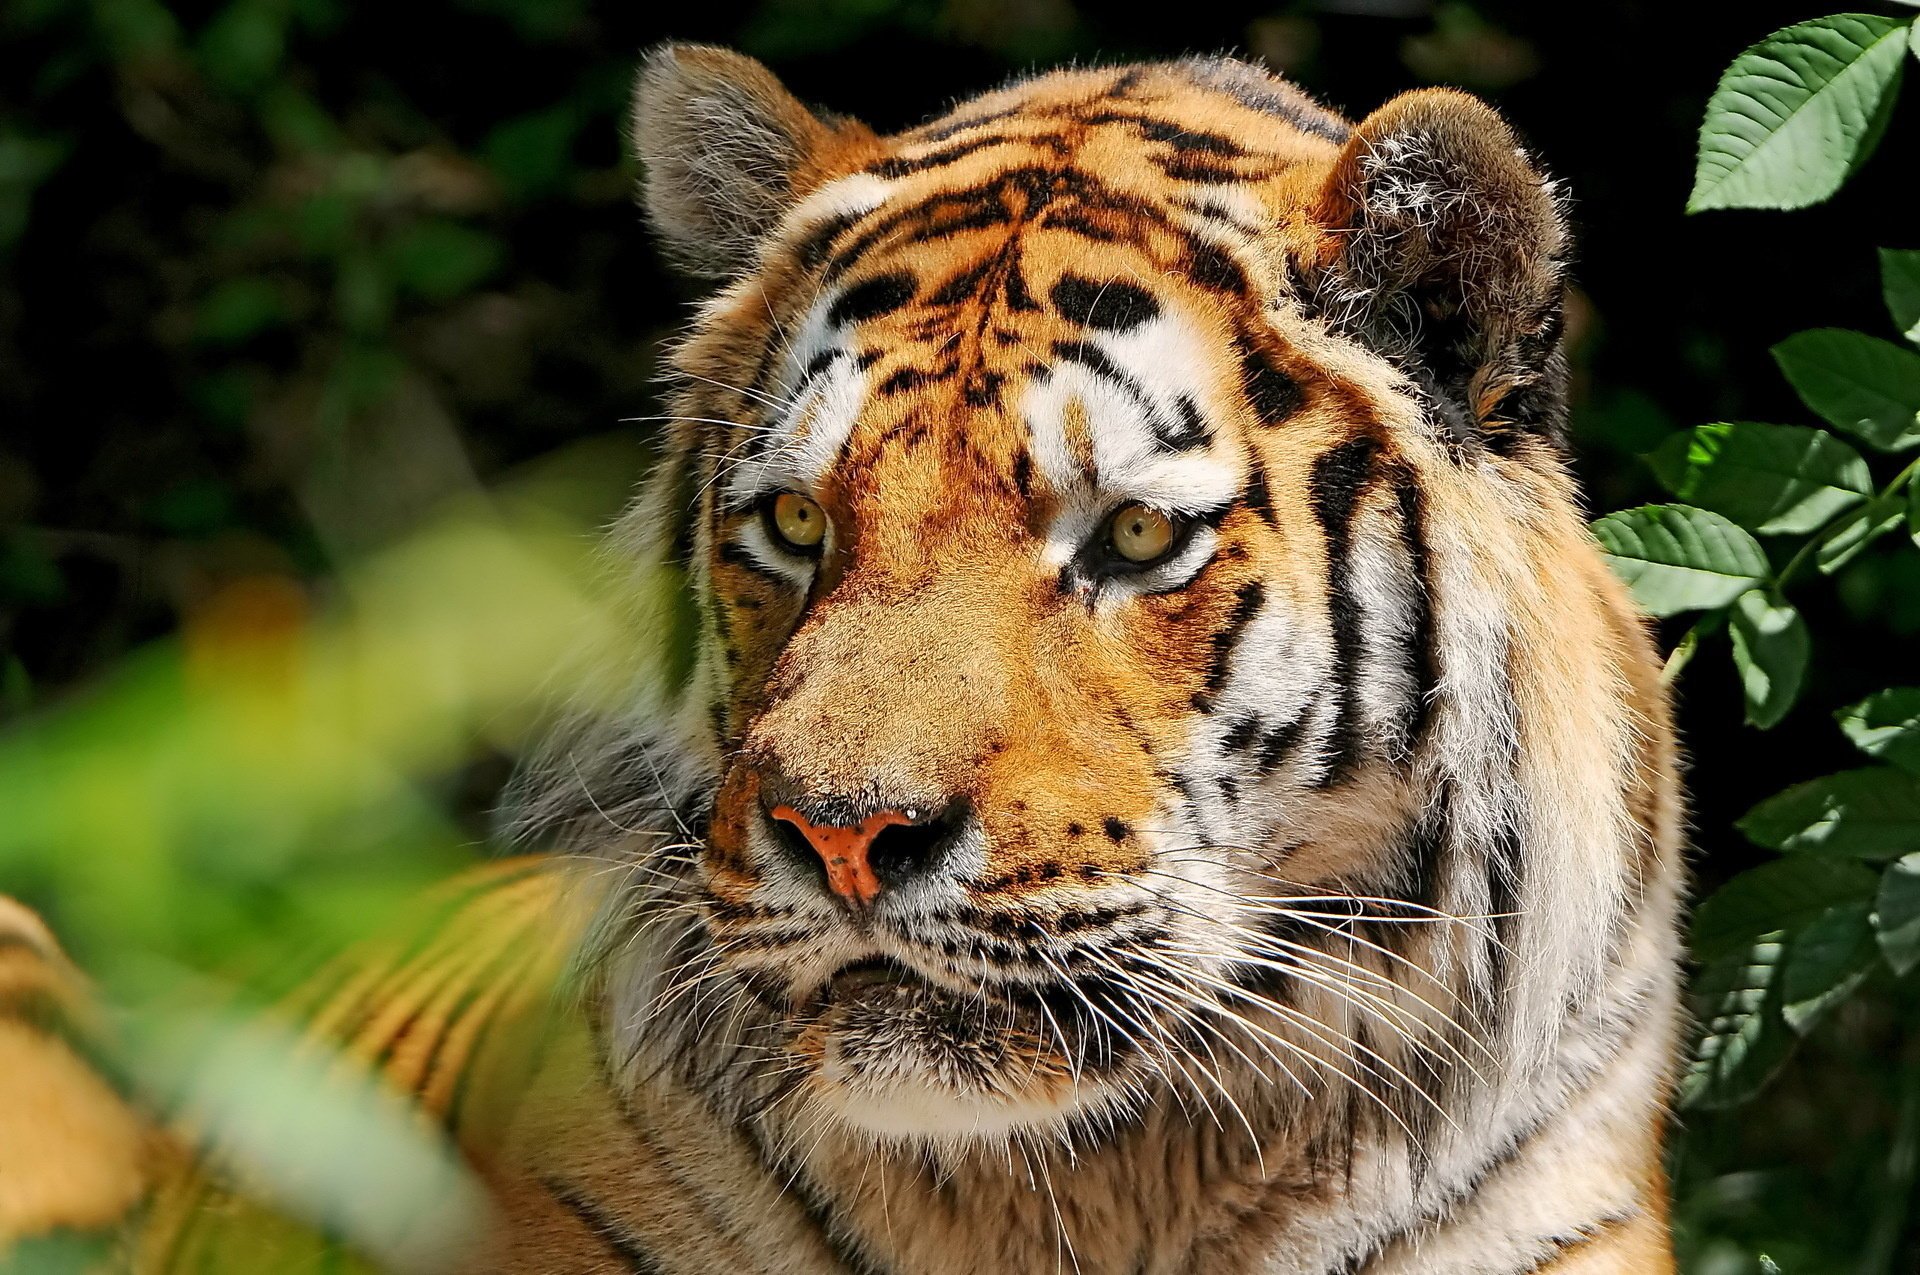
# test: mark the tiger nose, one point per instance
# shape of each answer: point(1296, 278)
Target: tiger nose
point(887, 847)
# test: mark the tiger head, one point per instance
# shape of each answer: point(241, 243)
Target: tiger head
point(1140, 631)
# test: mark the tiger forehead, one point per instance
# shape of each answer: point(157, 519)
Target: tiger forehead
point(1063, 285)
point(1143, 156)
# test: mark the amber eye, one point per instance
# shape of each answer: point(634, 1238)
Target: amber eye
point(1140, 534)
point(798, 520)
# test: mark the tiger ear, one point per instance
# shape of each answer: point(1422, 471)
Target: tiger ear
point(725, 151)
point(1446, 248)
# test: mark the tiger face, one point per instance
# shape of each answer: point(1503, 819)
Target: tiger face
point(1096, 505)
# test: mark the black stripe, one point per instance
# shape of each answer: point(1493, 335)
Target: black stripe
point(1584, 1235)
point(1422, 651)
point(606, 1228)
point(871, 298)
point(1099, 227)
point(814, 1204)
point(1241, 734)
point(1258, 496)
point(913, 378)
point(1095, 360)
point(1197, 168)
point(736, 555)
point(963, 285)
point(1015, 196)
point(818, 242)
point(1504, 864)
point(1189, 139)
point(1175, 135)
point(1248, 600)
point(1214, 268)
point(1186, 430)
point(1112, 306)
point(902, 166)
point(1273, 394)
point(1278, 743)
point(942, 130)
point(1425, 853)
point(1339, 478)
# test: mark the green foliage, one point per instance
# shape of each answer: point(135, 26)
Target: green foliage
point(1859, 383)
point(1797, 112)
point(1886, 726)
point(1777, 479)
point(1771, 647)
point(1900, 284)
point(1783, 947)
point(1677, 558)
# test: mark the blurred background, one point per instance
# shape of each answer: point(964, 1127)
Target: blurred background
point(283, 281)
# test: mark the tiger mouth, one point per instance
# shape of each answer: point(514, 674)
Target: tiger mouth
point(874, 978)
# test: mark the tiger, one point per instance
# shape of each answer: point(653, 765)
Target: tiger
point(1137, 765)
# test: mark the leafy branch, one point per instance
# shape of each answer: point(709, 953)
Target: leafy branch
point(1762, 509)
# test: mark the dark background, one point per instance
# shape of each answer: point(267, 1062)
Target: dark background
point(279, 273)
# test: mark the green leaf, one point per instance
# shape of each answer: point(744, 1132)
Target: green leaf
point(533, 154)
point(1886, 726)
point(1825, 962)
point(25, 163)
point(1913, 511)
point(1868, 387)
point(1797, 112)
point(1770, 648)
point(243, 47)
point(1900, 281)
point(439, 260)
point(1858, 530)
point(1896, 916)
point(1872, 814)
point(1744, 1040)
point(238, 309)
point(1776, 479)
point(1677, 558)
point(1781, 894)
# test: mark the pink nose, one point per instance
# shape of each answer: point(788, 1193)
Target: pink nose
point(845, 851)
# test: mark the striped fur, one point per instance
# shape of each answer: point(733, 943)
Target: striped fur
point(1302, 901)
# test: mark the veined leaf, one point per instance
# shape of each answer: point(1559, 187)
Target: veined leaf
point(1825, 962)
point(1744, 1039)
point(1871, 814)
point(1886, 726)
point(1896, 915)
point(1797, 112)
point(1858, 530)
point(1677, 558)
point(1782, 894)
point(1776, 479)
point(1900, 277)
point(1868, 387)
point(1770, 648)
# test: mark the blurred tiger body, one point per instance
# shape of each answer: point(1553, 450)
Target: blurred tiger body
point(1299, 898)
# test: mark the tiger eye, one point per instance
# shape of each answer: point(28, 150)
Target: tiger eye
point(1140, 534)
point(800, 521)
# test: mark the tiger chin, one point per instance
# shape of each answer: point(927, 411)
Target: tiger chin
point(1159, 777)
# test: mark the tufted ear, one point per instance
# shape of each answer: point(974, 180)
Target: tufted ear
point(1446, 248)
point(726, 150)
